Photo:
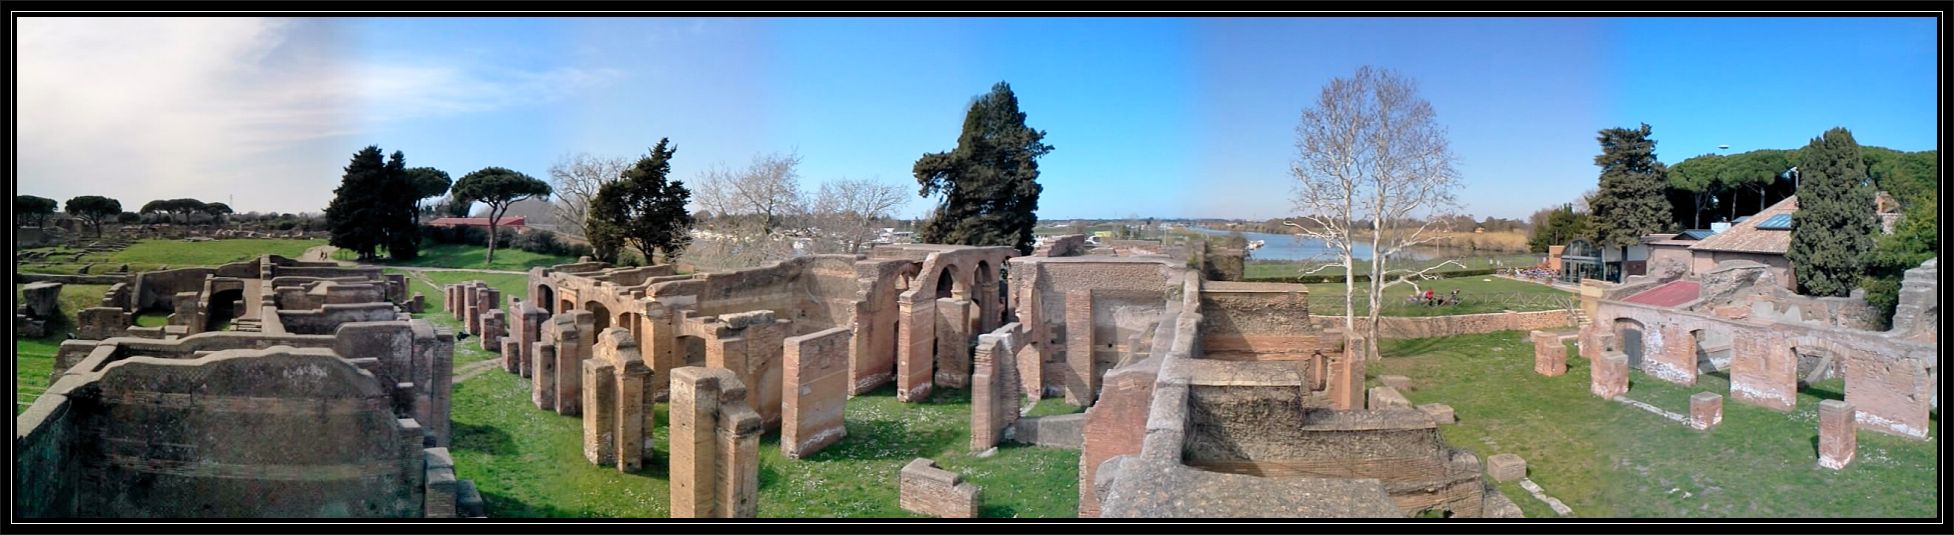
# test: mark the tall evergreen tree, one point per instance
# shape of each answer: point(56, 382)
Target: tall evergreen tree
point(1631, 201)
point(642, 209)
point(1832, 232)
point(373, 207)
point(399, 203)
point(990, 181)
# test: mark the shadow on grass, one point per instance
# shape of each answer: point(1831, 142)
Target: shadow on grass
point(1823, 392)
point(504, 506)
point(482, 438)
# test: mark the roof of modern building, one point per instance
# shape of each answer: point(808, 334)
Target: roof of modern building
point(1746, 237)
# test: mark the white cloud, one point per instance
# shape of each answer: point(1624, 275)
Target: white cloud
point(147, 108)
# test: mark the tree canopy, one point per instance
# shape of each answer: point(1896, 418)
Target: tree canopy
point(498, 188)
point(643, 209)
point(32, 208)
point(374, 207)
point(990, 181)
point(1630, 202)
point(427, 182)
point(1833, 230)
point(93, 209)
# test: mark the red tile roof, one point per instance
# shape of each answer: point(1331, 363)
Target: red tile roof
point(516, 221)
point(1668, 295)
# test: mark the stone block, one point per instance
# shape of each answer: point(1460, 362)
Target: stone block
point(1549, 354)
point(43, 299)
point(929, 490)
point(1059, 431)
point(1705, 410)
point(815, 391)
point(715, 443)
point(1384, 397)
point(1838, 434)
point(1609, 375)
point(1399, 382)
point(1506, 467)
point(1439, 412)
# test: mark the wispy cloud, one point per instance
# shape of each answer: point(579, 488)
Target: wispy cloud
point(144, 108)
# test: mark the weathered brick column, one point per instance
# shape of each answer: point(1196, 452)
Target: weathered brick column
point(915, 349)
point(614, 402)
point(1115, 426)
point(543, 388)
point(815, 391)
point(715, 441)
point(574, 337)
point(1705, 410)
point(1081, 380)
point(492, 331)
point(953, 342)
point(1346, 384)
point(994, 391)
point(1838, 434)
point(1763, 372)
point(929, 490)
point(1549, 354)
point(1609, 375)
point(530, 320)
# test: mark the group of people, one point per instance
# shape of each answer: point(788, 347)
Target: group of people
point(1430, 298)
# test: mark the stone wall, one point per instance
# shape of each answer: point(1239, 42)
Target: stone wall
point(815, 391)
point(109, 444)
point(1434, 326)
point(715, 440)
point(995, 395)
point(328, 318)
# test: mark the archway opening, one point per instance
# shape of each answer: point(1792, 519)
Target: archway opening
point(546, 298)
point(224, 306)
point(1628, 335)
point(600, 314)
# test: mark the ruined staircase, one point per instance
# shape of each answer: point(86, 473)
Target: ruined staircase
point(248, 325)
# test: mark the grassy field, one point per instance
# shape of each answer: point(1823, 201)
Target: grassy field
point(1283, 268)
point(1477, 295)
point(1607, 459)
point(529, 463)
point(475, 257)
point(147, 255)
point(34, 357)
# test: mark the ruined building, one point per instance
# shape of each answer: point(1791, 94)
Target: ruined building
point(278, 389)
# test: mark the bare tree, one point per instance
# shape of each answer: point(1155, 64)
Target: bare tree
point(1371, 153)
point(576, 177)
point(1412, 175)
point(768, 188)
point(845, 211)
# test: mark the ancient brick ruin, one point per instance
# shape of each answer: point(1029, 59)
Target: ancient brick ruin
point(715, 445)
point(1737, 319)
point(927, 489)
point(218, 413)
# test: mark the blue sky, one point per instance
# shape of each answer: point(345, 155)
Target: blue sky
point(1149, 117)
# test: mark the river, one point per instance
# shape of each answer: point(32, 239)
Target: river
point(1292, 247)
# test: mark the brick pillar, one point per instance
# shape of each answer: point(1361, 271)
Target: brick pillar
point(715, 441)
point(449, 302)
point(1673, 357)
point(986, 391)
point(543, 388)
point(1608, 377)
point(1347, 376)
point(599, 412)
point(660, 347)
point(1115, 426)
point(634, 420)
point(915, 345)
point(1705, 410)
point(815, 391)
point(471, 320)
point(1763, 372)
point(573, 346)
point(1549, 354)
point(1838, 434)
point(491, 335)
point(1081, 380)
point(532, 321)
point(953, 343)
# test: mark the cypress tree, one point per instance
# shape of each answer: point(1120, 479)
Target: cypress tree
point(990, 181)
point(352, 214)
point(1832, 232)
point(1631, 202)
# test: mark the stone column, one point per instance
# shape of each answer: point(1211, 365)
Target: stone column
point(543, 388)
point(1549, 354)
point(1081, 381)
point(573, 346)
point(1609, 375)
point(815, 391)
point(915, 345)
point(531, 332)
point(1838, 434)
point(1705, 410)
point(599, 417)
point(715, 445)
point(953, 343)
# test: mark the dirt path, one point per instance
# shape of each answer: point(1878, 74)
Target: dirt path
point(472, 369)
point(415, 269)
point(321, 253)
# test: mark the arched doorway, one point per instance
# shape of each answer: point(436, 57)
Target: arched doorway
point(1628, 334)
point(987, 302)
point(601, 315)
point(630, 320)
point(545, 298)
point(946, 283)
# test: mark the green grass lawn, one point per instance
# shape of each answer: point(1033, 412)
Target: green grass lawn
point(474, 257)
point(1478, 295)
point(34, 357)
point(529, 463)
point(148, 255)
point(1277, 268)
point(1607, 459)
